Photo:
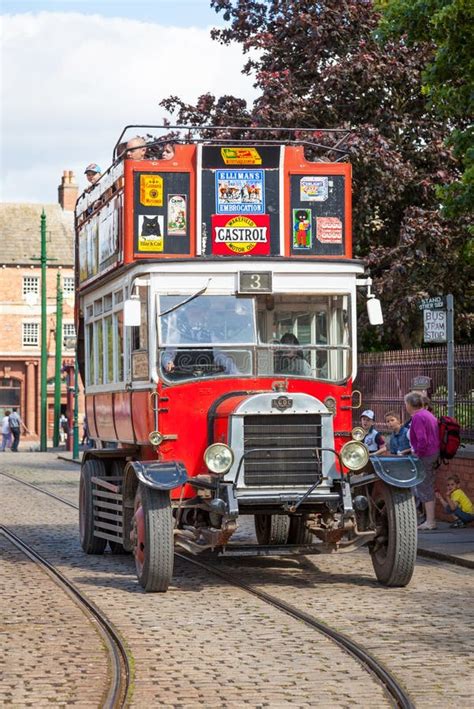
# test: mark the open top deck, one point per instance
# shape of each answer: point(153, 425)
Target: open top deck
point(218, 196)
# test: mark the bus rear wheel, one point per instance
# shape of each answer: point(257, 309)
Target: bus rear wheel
point(152, 536)
point(394, 549)
point(90, 543)
point(272, 529)
point(298, 532)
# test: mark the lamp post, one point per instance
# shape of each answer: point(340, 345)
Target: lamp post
point(69, 370)
point(58, 362)
point(43, 259)
point(75, 436)
point(73, 408)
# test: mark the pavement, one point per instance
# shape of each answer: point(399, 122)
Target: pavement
point(445, 544)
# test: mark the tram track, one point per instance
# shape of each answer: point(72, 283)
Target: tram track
point(393, 689)
point(120, 665)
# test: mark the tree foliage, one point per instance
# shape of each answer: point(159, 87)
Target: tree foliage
point(321, 64)
point(448, 80)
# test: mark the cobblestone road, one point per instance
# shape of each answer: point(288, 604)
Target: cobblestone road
point(208, 644)
point(50, 652)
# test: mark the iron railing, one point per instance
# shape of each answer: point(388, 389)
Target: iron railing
point(385, 377)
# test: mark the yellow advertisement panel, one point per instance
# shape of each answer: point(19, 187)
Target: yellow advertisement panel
point(241, 156)
point(151, 190)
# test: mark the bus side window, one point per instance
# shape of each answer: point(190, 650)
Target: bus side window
point(139, 339)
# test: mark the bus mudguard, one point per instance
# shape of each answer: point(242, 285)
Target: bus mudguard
point(403, 471)
point(166, 475)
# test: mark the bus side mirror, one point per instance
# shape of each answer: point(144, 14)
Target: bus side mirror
point(374, 311)
point(132, 312)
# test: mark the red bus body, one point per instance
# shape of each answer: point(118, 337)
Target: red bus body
point(260, 239)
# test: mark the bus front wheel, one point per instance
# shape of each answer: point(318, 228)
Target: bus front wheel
point(152, 537)
point(394, 549)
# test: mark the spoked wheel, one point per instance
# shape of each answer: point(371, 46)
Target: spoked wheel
point(90, 544)
point(298, 532)
point(152, 537)
point(393, 551)
point(272, 529)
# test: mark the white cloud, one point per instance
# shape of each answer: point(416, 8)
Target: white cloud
point(72, 81)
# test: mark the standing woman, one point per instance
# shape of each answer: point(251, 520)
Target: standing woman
point(6, 433)
point(424, 441)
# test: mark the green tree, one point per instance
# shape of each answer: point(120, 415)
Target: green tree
point(448, 80)
point(321, 64)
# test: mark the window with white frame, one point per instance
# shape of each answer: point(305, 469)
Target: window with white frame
point(69, 330)
point(30, 334)
point(68, 285)
point(106, 342)
point(30, 285)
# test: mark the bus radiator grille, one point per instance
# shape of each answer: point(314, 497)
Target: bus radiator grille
point(275, 466)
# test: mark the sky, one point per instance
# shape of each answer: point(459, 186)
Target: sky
point(73, 74)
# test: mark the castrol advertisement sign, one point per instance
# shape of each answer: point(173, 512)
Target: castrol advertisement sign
point(241, 235)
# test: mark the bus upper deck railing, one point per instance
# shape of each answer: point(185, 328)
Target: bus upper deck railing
point(243, 135)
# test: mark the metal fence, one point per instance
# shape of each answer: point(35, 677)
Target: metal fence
point(385, 377)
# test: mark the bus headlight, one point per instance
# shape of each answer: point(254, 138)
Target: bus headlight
point(358, 433)
point(219, 458)
point(354, 455)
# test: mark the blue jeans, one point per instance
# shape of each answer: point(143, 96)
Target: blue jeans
point(463, 516)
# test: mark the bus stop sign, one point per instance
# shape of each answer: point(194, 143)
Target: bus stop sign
point(434, 318)
point(435, 325)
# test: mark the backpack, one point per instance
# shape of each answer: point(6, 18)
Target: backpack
point(449, 437)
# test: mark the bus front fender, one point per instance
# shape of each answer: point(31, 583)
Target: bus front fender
point(398, 471)
point(166, 475)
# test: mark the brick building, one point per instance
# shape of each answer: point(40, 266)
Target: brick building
point(20, 301)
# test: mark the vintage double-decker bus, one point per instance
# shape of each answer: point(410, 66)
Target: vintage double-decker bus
point(216, 315)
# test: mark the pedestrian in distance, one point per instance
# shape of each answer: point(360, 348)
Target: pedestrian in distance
point(63, 428)
point(86, 441)
point(373, 439)
point(424, 441)
point(456, 503)
point(16, 425)
point(6, 433)
point(399, 443)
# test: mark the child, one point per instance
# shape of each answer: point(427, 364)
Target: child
point(457, 503)
point(399, 443)
point(373, 439)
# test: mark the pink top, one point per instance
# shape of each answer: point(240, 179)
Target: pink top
point(424, 433)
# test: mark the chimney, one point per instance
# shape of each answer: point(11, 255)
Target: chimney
point(68, 191)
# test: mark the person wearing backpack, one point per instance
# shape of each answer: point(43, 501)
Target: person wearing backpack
point(16, 424)
point(424, 441)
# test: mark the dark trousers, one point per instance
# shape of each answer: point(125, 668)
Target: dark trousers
point(16, 439)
